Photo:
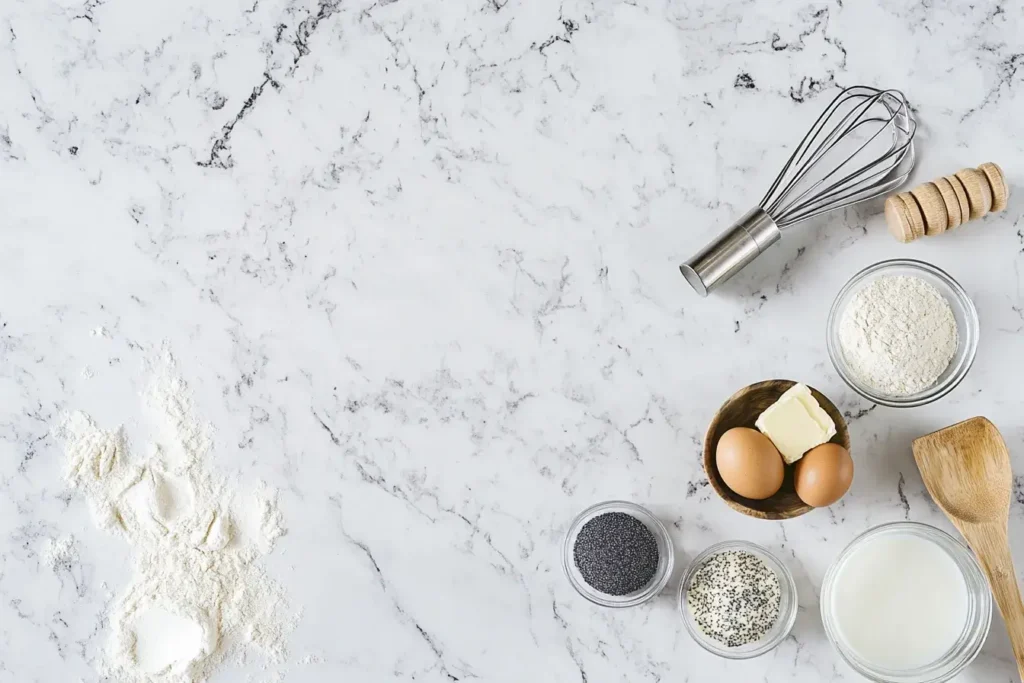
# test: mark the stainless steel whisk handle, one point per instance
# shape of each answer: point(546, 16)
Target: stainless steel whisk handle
point(730, 251)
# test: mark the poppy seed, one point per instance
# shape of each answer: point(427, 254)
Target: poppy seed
point(616, 554)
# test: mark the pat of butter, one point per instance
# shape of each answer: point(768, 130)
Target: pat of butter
point(796, 423)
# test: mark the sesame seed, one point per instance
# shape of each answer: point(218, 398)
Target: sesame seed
point(735, 598)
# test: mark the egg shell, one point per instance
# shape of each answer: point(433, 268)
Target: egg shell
point(823, 475)
point(749, 463)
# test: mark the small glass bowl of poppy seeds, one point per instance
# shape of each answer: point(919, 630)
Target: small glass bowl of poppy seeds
point(737, 600)
point(617, 554)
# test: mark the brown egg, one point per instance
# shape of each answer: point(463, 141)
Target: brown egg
point(749, 463)
point(823, 475)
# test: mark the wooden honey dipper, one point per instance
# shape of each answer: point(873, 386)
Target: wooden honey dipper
point(933, 208)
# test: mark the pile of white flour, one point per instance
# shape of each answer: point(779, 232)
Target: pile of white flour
point(59, 554)
point(199, 592)
point(898, 335)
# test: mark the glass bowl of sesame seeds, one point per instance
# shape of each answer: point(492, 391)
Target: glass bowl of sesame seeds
point(737, 600)
point(617, 554)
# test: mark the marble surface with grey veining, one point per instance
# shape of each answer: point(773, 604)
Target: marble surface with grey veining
point(418, 262)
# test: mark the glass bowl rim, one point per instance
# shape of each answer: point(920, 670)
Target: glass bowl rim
point(946, 541)
point(786, 583)
point(968, 337)
point(652, 522)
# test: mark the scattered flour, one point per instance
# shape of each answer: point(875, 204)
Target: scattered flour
point(199, 592)
point(59, 554)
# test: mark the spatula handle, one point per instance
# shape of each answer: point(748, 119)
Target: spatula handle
point(990, 544)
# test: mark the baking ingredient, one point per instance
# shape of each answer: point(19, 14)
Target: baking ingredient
point(898, 335)
point(823, 475)
point(796, 423)
point(59, 555)
point(616, 553)
point(749, 463)
point(164, 640)
point(198, 592)
point(899, 601)
point(734, 598)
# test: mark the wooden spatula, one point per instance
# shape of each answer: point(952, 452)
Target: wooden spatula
point(966, 469)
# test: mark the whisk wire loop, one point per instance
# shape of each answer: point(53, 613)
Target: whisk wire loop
point(860, 147)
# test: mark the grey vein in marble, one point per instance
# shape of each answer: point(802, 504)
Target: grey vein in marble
point(418, 261)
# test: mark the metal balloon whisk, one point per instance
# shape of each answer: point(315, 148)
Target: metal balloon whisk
point(861, 147)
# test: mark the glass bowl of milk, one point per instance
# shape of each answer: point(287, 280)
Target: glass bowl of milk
point(906, 603)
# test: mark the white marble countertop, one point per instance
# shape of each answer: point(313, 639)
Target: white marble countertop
point(418, 262)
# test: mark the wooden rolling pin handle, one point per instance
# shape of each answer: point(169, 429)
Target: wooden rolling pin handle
point(935, 207)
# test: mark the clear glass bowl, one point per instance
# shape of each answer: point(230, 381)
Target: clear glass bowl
point(979, 609)
point(966, 322)
point(787, 607)
point(666, 555)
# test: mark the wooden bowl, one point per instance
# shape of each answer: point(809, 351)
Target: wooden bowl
point(741, 410)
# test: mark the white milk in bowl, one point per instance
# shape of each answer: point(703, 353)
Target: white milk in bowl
point(899, 601)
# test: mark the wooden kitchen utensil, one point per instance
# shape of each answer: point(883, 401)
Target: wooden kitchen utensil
point(966, 469)
point(904, 216)
point(997, 181)
point(950, 200)
point(961, 197)
point(979, 192)
point(933, 208)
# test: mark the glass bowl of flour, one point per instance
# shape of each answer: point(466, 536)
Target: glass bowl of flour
point(902, 333)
